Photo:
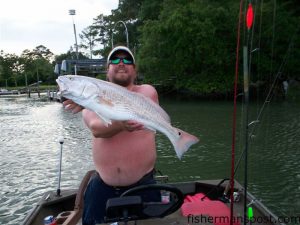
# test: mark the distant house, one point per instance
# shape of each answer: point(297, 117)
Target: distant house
point(85, 67)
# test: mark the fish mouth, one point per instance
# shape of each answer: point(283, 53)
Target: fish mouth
point(62, 87)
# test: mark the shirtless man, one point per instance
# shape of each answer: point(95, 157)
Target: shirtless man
point(124, 153)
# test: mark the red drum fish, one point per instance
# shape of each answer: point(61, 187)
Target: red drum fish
point(113, 102)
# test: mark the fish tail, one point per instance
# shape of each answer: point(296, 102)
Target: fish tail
point(184, 142)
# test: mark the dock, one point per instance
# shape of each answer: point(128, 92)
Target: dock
point(52, 96)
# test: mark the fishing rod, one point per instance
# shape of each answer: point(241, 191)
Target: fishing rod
point(267, 99)
point(61, 142)
point(234, 112)
point(254, 124)
point(249, 22)
point(246, 75)
point(234, 120)
point(248, 135)
point(246, 97)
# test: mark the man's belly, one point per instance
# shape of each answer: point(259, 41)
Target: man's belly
point(122, 163)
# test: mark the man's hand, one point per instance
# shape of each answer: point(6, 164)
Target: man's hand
point(72, 106)
point(131, 125)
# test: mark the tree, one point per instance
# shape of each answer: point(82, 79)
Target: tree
point(188, 45)
point(7, 61)
point(1, 72)
point(109, 26)
point(277, 37)
point(17, 69)
point(187, 48)
point(39, 51)
point(88, 39)
point(150, 10)
point(38, 66)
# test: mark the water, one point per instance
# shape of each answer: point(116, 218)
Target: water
point(29, 150)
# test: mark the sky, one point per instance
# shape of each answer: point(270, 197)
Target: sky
point(25, 24)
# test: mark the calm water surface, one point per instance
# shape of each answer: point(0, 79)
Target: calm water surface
point(29, 151)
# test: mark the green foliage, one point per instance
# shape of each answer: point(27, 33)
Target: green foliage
point(34, 65)
point(188, 45)
point(69, 55)
point(150, 10)
point(276, 34)
point(191, 45)
point(88, 40)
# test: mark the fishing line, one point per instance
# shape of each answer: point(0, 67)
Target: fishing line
point(246, 70)
point(254, 123)
point(269, 96)
point(251, 41)
point(273, 38)
point(271, 68)
point(270, 92)
point(259, 53)
point(234, 112)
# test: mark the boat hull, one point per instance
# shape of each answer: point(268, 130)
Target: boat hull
point(67, 207)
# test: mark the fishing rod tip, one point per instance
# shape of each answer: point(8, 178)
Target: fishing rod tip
point(61, 140)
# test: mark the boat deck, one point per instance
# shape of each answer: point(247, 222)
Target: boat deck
point(63, 207)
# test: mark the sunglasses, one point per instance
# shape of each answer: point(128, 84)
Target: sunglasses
point(117, 60)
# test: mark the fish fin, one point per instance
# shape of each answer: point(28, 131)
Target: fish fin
point(104, 103)
point(184, 142)
point(150, 128)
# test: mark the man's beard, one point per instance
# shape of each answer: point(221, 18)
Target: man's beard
point(122, 82)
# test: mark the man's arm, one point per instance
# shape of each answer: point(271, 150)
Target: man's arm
point(100, 130)
point(97, 127)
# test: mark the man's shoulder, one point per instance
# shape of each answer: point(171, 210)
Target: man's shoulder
point(146, 87)
point(147, 90)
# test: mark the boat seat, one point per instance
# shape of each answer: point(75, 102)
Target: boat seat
point(80, 194)
point(72, 217)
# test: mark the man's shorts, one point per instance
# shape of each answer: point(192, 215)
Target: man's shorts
point(97, 193)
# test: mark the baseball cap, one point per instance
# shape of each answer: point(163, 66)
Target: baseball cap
point(120, 49)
